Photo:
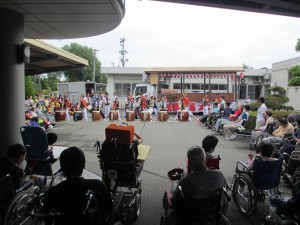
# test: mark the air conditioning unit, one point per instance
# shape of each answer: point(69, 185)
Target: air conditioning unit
point(256, 80)
point(243, 80)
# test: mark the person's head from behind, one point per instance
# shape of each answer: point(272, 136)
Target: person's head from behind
point(17, 153)
point(209, 143)
point(72, 162)
point(298, 123)
point(266, 149)
point(52, 138)
point(227, 104)
point(283, 122)
point(260, 100)
point(216, 104)
point(246, 108)
point(268, 113)
point(196, 158)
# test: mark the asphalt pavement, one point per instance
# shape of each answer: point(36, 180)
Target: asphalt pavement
point(169, 142)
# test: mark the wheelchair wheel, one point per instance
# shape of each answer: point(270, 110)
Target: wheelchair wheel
point(286, 186)
point(224, 220)
point(260, 137)
point(17, 212)
point(137, 206)
point(244, 194)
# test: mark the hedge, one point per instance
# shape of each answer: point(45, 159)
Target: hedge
point(250, 123)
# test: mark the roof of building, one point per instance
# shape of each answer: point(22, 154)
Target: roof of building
point(277, 7)
point(63, 19)
point(45, 58)
point(194, 69)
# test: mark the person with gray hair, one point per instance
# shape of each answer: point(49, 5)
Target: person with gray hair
point(200, 181)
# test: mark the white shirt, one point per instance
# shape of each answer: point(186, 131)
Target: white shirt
point(260, 113)
point(205, 110)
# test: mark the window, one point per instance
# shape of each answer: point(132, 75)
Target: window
point(195, 86)
point(223, 87)
point(251, 91)
point(122, 90)
point(176, 86)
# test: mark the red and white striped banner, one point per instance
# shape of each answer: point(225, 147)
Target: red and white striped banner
point(196, 75)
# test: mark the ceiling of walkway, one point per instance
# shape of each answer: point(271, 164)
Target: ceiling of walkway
point(45, 58)
point(277, 7)
point(63, 19)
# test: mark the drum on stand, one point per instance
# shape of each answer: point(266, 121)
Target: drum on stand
point(113, 115)
point(145, 116)
point(130, 116)
point(96, 115)
point(163, 116)
point(78, 116)
point(183, 115)
point(89, 108)
point(60, 116)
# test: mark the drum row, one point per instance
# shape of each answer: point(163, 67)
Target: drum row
point(182, 115)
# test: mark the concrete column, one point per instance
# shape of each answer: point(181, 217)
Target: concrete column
point(12, 90)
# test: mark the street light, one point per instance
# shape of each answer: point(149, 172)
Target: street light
point(94, 72)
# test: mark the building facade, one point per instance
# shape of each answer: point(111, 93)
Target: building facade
point(235, 83)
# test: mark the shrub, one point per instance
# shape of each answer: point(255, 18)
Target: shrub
point(276, 102)
point(294, 81)
point(254, 106)
point(250, 123)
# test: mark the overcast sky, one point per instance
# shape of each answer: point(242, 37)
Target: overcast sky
point(162, 34)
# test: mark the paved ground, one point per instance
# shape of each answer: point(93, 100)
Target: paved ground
point(169, 142)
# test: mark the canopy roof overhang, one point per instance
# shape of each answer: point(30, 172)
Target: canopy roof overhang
point(45, 58)
point(63, 19)
point(194, 72)
point(277, 7)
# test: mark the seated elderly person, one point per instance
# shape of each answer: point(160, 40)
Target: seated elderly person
point(257, 131)
point(228, 129)
point(68, 197)
point(285, 128)
point(14, 164)
point(265, 151)
point(200, 183)
point(230, 118)
point(289, 145)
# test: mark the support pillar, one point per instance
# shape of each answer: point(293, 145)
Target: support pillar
point(12, 90)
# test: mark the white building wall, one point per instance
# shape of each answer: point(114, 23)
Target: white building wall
point(293, 93)
point(280, 78)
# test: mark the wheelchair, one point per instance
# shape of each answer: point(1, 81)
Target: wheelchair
point(285, 211)
point(40, 156)
point(190, 210)
point(121, 171)
point(209, 210)
point(250, 185)
point(87, 211)
point(26, 201)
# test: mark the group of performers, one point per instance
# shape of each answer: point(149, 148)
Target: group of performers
point(97, 102)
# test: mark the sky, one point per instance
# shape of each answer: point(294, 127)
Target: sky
point(160, 34)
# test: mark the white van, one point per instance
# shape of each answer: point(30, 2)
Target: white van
point(144, 89)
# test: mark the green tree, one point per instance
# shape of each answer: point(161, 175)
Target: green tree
point(297, 47)
point(294, 71)
point(85, 73)
point(51, 80)
point(29, 89)
point(245, 66)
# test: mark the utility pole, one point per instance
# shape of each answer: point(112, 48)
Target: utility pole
point(123, 52)
point(94, 72)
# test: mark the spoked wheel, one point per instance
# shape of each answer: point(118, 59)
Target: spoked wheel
point(17, 212)
point(224, 220)
point(244, 194)
point(137, 206)
point(286, 186)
